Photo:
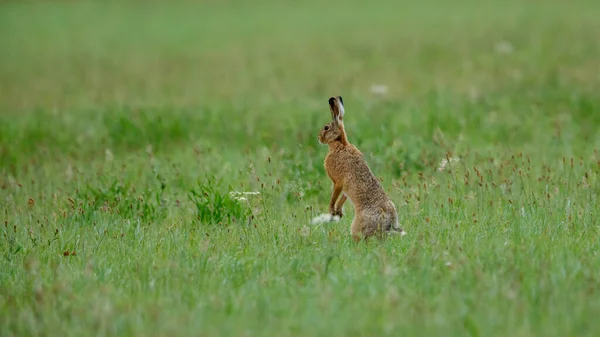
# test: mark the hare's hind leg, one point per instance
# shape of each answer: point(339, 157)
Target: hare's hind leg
point(358, 228)
point(378, 223)
point(365, 227)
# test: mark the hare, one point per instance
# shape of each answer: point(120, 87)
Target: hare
point(374, 213)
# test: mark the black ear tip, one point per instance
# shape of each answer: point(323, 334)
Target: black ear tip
point(341, 100)
point(332, 101)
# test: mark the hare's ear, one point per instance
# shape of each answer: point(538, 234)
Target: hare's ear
point(336, 105)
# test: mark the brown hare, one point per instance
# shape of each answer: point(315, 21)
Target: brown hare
point(374, 213)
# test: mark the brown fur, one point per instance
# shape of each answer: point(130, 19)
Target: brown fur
point(375, 213)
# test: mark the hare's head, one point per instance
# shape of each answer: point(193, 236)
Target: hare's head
point(334, 130)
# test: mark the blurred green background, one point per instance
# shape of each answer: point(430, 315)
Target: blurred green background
point(112, 112)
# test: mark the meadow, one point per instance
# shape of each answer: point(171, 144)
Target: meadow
point(159, 167)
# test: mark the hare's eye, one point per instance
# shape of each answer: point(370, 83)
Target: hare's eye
point(326, 127)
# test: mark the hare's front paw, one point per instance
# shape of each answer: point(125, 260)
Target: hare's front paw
point(338, 212)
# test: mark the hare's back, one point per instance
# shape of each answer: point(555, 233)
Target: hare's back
point(363, 184)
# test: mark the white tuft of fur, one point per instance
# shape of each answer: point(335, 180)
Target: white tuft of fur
point(397, 231)
point(326, 217)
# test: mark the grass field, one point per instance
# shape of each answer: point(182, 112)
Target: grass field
point(125, 126)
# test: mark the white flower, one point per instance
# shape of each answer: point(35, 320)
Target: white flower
point(236, 193)
point(108, 155)
point(503, 47)
point(445, 163)
point(379, 89)
point(304, 231)
point(239, 196)
point(69, 172)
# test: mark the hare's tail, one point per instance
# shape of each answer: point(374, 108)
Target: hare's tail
point(397, 230)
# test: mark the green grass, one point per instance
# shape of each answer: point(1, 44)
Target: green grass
point(124, 128)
